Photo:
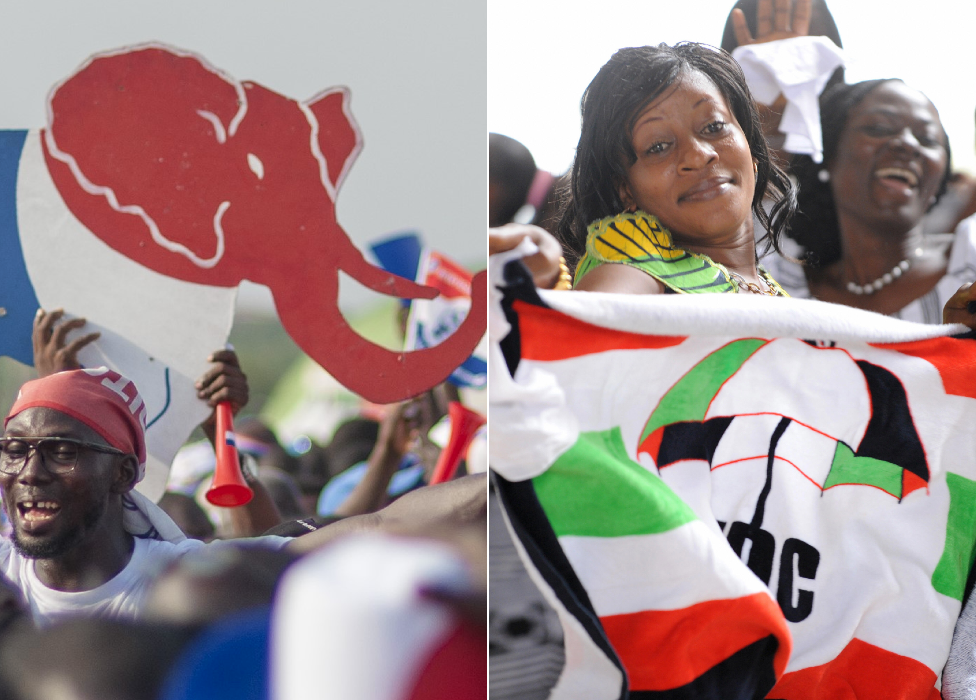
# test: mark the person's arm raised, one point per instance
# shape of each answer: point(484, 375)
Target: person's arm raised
point(397, 431)
point(784, 19)
point(225, 381)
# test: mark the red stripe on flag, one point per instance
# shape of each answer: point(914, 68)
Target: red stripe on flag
point(955, 358)
point(548, 335)
point(664, 649)
point(861, 671)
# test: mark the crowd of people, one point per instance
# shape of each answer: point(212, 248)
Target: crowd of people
point(343, 553)
point(683, 183)
point(350, 572)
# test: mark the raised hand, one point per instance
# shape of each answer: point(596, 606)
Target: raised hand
point(224, 381)
point(783, 19)
point(51, 351)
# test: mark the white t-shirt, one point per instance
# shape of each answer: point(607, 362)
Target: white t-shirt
point(121, 597)
point(926, 309)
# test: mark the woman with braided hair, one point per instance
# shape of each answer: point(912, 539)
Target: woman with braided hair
point(859, 227)
point(670, 169)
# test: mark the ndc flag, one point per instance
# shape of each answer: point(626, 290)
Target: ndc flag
point(734, 496)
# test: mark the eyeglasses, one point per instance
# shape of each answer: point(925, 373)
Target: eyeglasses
point(60, 455)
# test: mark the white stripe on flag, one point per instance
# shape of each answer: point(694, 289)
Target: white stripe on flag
point(587, 673)
point(668, 571)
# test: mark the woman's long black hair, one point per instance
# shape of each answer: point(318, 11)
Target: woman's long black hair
point(631, 79)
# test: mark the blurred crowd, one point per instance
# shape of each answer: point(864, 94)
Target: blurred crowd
point(108, 594)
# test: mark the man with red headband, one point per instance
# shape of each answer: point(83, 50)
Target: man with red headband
point(83, 540)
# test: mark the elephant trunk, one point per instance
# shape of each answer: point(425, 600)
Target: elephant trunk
point(376, 373)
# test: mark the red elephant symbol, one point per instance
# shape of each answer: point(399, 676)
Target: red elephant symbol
point(209, 180)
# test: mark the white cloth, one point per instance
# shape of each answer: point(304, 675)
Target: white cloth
point(193, 464)
point(351, 613)
point(531, 403)
point(145, 520)
point(959, 676)
point(926, 309)
point(616, 386)
point(799, 68)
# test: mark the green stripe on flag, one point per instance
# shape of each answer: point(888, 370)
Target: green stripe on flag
point(595, 490)
point(949, 577)
point(848, 468)
point(690, 397)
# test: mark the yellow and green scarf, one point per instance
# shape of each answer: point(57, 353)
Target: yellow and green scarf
point(638, 239)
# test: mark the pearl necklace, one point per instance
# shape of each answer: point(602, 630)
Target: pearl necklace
point(885, 279)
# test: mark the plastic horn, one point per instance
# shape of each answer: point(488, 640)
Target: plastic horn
point(228, 488)
point(464, 424)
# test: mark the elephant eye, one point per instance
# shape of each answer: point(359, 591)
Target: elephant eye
point(256, 165)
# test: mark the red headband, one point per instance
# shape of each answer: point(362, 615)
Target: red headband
point(100, 398)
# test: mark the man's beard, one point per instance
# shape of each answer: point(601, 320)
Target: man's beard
point(58, 545)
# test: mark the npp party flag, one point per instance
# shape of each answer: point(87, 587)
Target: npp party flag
point(433, 320)
point(430, 321)
point(735, 496)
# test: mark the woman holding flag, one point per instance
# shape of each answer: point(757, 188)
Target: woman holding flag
point(671, 171)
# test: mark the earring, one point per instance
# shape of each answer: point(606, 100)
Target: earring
point(632, 209)
point(823, 175)
point(755, 167)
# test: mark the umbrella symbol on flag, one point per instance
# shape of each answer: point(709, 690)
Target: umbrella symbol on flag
point(865, 410)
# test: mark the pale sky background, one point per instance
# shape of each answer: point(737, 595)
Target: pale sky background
point(542, 55)
point(416, 72)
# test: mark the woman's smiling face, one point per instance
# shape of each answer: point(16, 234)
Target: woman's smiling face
point(891, 157)
point(694, 169)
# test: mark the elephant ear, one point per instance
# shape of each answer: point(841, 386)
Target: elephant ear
point(338, 137)
point(139, 137)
